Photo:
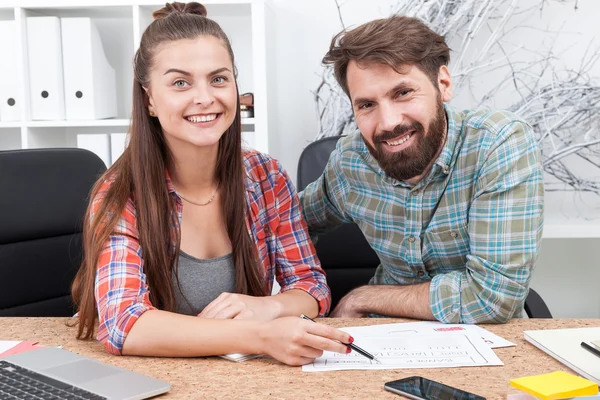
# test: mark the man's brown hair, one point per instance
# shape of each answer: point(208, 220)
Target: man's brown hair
point(395, 41)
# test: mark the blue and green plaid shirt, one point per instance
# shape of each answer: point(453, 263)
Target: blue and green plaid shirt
point(472, 226)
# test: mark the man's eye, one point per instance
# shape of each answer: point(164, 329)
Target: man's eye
point(403, 92)
point(365, 106)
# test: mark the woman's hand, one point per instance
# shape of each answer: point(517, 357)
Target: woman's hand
point(295, 341)
point(241, 306)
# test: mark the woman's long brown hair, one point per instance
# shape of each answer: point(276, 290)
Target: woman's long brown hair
point(140, 173)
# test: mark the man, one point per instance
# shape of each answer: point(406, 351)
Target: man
point(451, 201)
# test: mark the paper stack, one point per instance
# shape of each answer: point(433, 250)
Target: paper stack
point(10, 347)
point(238, 357)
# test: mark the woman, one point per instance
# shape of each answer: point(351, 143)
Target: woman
point(185, 217)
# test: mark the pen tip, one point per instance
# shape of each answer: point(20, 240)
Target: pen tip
point(376, 360)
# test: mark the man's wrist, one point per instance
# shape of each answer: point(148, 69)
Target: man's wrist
point(358, 299)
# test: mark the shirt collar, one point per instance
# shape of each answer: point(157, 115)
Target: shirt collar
point(249, 183)
point(454, 128)
point(170, 186)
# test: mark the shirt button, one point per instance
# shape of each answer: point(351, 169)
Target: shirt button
point(454, 234)
point(420, 274)
point(415, 192)
point(446, 168)
point(411, 239)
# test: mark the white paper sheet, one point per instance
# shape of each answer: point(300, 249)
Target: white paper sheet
point(412, 345)
point(493, 340)
point(7, 345)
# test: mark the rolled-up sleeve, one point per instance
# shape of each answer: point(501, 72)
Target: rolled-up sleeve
point(297, 264)
point(505, 232)
point(121, 291)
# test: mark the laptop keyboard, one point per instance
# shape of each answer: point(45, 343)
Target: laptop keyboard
point(23, 384)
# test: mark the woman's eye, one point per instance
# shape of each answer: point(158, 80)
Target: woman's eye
point(180, 84)
point(219, 80)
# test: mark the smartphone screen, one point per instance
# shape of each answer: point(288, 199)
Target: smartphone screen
point(416, 387)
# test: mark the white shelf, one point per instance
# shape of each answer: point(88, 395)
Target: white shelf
point(120, 23)
point(86, 123)
point(84, 9)
point(15, 124)
point(103, 3)
point(66, 124)
point(571, 229)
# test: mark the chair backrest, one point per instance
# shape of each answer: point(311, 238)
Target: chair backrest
point(535, 306)
point(345, 254)
point(43, 197)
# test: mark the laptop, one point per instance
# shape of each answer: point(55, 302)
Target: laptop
point(51, 373)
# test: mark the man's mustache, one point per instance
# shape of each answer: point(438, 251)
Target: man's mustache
point(398, 131)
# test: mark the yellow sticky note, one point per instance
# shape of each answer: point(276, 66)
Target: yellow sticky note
point(555, 385)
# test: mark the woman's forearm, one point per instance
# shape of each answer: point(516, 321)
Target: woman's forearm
point(166, 334)
point(295, 302)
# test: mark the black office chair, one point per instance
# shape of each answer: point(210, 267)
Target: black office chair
point(43, 197)
point(345, 254)
point(535, 307)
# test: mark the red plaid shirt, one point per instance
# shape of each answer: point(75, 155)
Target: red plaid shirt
point(274, 220)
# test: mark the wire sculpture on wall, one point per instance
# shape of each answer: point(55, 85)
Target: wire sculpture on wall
point(561, 104)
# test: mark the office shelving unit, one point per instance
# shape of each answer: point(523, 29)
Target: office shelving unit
point(120, 23)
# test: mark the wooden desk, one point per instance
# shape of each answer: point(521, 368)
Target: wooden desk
point(213, 377)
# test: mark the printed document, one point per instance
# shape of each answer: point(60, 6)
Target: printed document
point(415, 345)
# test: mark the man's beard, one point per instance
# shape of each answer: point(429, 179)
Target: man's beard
point(412, 161)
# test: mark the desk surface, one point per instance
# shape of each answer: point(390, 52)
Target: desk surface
point(213, 377)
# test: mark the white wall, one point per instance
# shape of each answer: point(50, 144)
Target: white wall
point(566, 277)
point(304, 31)
point(567, 271)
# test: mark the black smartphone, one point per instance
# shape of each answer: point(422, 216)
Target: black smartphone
point(416, 387)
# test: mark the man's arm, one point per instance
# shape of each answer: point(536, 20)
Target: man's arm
point(323, 200)
point(505, 230)
point(410, 301)
point(505, 233)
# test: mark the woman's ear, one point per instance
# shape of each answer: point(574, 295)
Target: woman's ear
point(148, 101)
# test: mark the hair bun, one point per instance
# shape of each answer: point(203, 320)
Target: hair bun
point(180, 8)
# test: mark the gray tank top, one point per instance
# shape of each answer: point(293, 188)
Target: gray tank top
point(202, 281)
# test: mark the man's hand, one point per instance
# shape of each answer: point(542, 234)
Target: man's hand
point(348, 308)
point(241, 306)
point(408, 301)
